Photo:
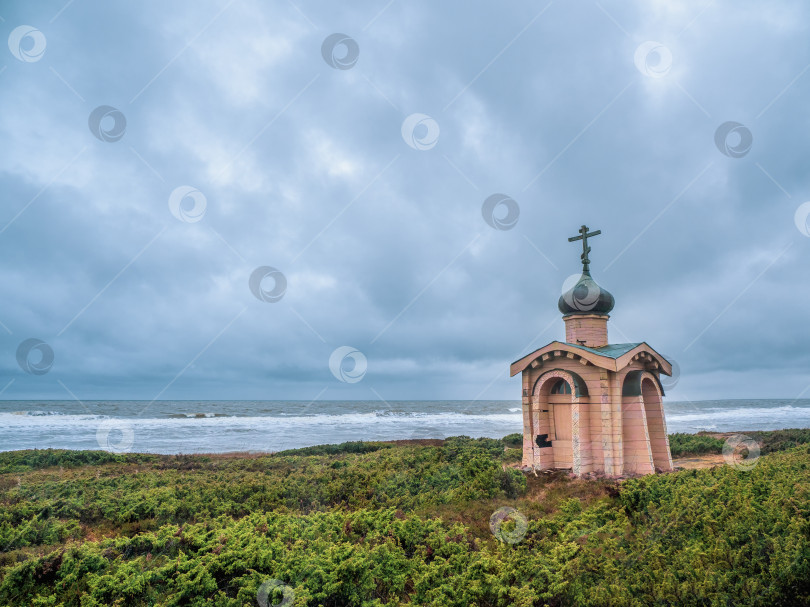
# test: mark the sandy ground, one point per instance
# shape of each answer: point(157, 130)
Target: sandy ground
point(699, 461)
point(704, 461)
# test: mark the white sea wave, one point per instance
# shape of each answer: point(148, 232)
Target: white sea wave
point(228, 426)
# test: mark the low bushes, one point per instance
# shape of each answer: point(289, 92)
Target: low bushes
point(399, 525)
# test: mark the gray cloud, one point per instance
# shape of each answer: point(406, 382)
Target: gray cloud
point(303, 168)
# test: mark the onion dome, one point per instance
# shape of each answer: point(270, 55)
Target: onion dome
point(586, 297)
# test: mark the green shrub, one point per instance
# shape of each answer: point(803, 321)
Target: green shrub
point(513, 440)
point(338, 449)
point(682, 444)
point(400, 525)
point(36, 459)
point(779, 440)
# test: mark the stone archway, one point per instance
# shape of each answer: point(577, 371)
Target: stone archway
point(558, 432)
point(645, 445)
point(656, 424)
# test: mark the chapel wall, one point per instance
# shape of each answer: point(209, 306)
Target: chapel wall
point(586, 419)
point(636, 441)
point(588, 330)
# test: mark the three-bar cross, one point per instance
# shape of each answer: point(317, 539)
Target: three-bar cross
point(584, 234)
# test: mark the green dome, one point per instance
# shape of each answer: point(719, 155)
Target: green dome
point(586, 297)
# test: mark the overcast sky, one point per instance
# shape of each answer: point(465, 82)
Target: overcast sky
point(355, 170)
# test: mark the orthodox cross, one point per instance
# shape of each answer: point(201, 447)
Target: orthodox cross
point(584, 235)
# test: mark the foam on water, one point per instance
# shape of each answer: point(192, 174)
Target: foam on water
point(221, 426)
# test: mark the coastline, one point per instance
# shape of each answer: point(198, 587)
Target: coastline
point(269, 426)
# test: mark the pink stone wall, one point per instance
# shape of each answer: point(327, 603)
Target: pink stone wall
point(636, 442)
point(609, 433)
point(577, 452)
point(588, 328)
point(656, 424)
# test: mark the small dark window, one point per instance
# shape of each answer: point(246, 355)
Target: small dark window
point(561, 387)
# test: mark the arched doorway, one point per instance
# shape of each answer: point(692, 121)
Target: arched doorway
point(560, 437)
point(559, 400)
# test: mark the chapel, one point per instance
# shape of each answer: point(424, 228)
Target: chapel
point(588, 405)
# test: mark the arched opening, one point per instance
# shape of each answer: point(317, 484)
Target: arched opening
point(561, 387)
point(540, 426)
point(557, 431)
point(560, 400)
point(559, 403)
point(656, 428)
point(636, 454)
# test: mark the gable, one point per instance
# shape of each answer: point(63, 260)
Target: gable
point(613, 357)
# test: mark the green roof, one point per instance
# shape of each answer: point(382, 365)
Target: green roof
point(611, 350)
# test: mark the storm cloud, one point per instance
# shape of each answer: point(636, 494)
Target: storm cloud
point(351, 149)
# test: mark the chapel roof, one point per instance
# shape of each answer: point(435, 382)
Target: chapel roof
point(612, 357)
point(610, 350)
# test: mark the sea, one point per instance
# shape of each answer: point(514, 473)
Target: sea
point(174, 427)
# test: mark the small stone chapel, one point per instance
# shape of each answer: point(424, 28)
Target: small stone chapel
point(589, 405)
